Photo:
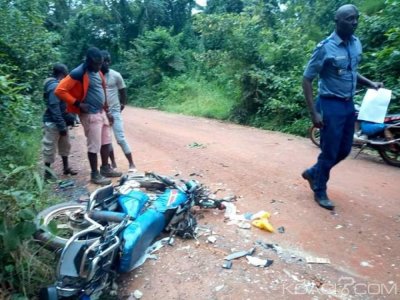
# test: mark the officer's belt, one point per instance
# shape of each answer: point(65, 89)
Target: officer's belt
point(337, 98)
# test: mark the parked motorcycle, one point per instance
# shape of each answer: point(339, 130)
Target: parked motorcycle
point(389, 150)
point(112, 232)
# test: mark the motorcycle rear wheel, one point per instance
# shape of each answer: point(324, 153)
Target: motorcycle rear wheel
point(67, 219)
point(389, 156)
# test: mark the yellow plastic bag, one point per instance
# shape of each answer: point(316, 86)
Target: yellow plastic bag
point(263, 224)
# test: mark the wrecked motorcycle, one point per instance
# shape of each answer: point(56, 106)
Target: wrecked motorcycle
point(111, 234)
point(389, 150)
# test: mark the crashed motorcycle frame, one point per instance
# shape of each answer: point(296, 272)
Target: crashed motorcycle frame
point(115, 241)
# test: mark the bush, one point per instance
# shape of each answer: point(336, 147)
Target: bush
point(193, 95)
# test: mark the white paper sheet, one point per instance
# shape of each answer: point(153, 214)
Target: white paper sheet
point(374, 105)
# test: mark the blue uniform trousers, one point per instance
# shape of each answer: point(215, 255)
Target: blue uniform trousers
point(336, 138)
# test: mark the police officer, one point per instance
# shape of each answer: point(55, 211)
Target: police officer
point(335, 61)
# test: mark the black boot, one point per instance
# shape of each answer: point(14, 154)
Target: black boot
point(67, 169)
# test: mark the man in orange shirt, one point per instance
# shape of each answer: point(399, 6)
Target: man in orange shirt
point(85, 94)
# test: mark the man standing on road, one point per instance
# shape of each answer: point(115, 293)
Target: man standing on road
point(55, 124)
point(335, 61)
point(85, 93)
point(117, 99)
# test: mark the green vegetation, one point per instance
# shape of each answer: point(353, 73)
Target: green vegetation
point(234, 60)
point(195, 96)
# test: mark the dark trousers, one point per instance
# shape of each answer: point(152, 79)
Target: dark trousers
point(336, 138)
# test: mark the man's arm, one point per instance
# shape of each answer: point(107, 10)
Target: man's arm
point(366, 82)
point(123, 98)
point(63, 90)
point(54, 108)
point(316, 117)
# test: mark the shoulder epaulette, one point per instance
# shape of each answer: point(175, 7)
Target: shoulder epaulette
point(320, 44)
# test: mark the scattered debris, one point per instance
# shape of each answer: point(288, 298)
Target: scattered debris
point(218, 288)
point(244, 225)
point(259, 262)
point(261, 215)
point(281, 229)
point(239, 254)
point(260, 220)
point(196, 145)
point(66, 183)
point(287, 255)
point(195, 174)
point(366, 264)
point(317, 260)
point(263, 224)
point(137, 294)
point(211, 239)
point(151, 249)
point(248, 216)
point(267, 245)
point(227, 264)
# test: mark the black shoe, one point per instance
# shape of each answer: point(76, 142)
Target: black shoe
point(307, 176)
point(96, 178)
point(107, 171)
point(324, 201)
point(69, 171)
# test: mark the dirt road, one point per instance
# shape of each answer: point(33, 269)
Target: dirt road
point(361, 239)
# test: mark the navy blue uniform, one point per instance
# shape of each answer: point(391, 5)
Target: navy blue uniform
point(335, 63)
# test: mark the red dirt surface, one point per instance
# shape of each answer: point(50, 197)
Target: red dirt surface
point(361, 239)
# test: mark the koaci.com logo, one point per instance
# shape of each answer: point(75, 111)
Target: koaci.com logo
point(346, 286)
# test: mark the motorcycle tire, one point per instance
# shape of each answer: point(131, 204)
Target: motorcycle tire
point(68, 220)
point(314, 135)
point(389, 156)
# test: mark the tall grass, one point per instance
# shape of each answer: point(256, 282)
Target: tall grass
point(23, 264)
point(197, 97)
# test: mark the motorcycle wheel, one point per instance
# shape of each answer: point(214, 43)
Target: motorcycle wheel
point(66, 219)
point(315, 135)
point(389, 156)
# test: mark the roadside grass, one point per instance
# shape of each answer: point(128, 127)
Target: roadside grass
point(24, 265)
point(196, 97)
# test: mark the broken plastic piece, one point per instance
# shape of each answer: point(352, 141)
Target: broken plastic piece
point(227, 264)
point(239, 254)
point(317, 260)
point(66, 183)
point(259, 262)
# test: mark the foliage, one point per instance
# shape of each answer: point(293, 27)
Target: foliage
point(195, 96)
point(154, 55)
point(381, 33)
point(26, 51)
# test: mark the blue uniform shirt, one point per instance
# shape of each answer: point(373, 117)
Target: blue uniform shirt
point(336, 64)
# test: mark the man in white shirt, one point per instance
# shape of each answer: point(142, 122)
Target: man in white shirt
point(116, 99)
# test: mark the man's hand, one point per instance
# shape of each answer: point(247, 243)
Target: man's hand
point(376, 85)
point(110, 118)
point(63, 132)
point(316, 118)
point(84, 107)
